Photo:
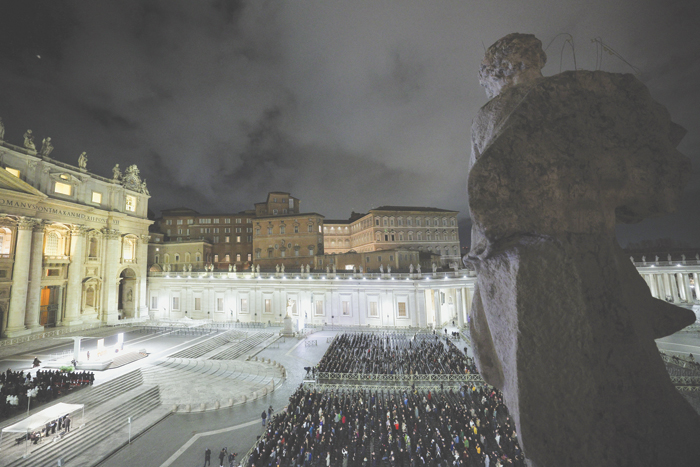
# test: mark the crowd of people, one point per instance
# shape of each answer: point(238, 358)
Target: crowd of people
point(370, 428)
point(394, 353)
point(44, 386)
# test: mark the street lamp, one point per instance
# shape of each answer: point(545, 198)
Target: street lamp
point(332, 321)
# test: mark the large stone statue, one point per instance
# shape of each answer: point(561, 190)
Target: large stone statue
point(82, 160)
point(562, 322)
point(29, 140)
point(116, 173)
point(46, 147)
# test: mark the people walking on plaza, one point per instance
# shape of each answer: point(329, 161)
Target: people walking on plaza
point(207, 457)
point(263, 415)
point(222, 456)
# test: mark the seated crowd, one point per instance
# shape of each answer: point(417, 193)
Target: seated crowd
point(44, 387)
point(370, 428)
point(391, 353)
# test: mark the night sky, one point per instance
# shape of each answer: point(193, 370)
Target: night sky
point(347, 105)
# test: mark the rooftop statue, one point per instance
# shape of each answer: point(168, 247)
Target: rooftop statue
point(82, 160)
point(46, 147)
point(29, 140)
point(562, 322)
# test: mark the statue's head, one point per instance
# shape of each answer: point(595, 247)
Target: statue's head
point(514, 59)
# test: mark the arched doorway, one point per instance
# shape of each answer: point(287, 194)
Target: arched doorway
point(127, 297)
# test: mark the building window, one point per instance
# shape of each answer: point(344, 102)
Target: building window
point(269, 230)
point(179, 222)
point(198, 257)
point(216, 239)
point(131, 203)
point(296, 229)
point(219, 304)
point(177, 258)
point(311, 251)
point(418, 221)
point(190, 221)
point(197, 303)
point(244, 305)
point(373, 309)
point(216, 221)
point(176, 303)
point(216, 258)
point(62, 188)
point(311, 228)
point(274, 211)
point(14, 172)
point(96, 197)
point(249, 256)
point(227, 258)
point(403, 312)
point(250, 238)
point(238, 239)
point(227, 221)
point(268, 306)
point(92, 248)
point(154, 302)
point(169, 222)
point(281, 229)
point(376, 222)
point(238, 257)
point(157, 258)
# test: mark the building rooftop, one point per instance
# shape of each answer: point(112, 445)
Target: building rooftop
point(411, 208)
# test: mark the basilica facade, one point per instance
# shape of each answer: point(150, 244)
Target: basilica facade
point(73, 244)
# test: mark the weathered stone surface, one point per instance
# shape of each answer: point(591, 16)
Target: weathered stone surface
point(563, 323)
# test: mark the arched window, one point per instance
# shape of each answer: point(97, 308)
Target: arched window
point(53, 244)
point(437, 236)
point(227, 258)
point(198, 257)
point(187, 257)
point(427, 236)
point(129, 245)
point(156, 259)
point(177, 258)
point(92, 248)
point(420, 236)
point(410, 236)
point(5, 240)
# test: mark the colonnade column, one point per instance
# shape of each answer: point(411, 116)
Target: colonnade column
point(696, 286)
point(74, 293)
point(685, 283)
point(438, 308)
point(420, 308)
point(142, 304)
point(20, 279)
point(460, 308)
point(110, 313)
point(32, 315)
point(653, 286)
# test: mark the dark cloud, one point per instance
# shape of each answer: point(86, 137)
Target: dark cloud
point(347, 105)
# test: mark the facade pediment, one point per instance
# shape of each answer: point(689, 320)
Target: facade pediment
point(12, 183)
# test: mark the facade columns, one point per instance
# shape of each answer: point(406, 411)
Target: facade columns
point(696, 286)
point(460, 307)
point(20, 279)
point(110, 313)
point(32, 315)
point(685, 280)
point(420, 308)
point(438, 308)
point(141, 307)
point(74, 294)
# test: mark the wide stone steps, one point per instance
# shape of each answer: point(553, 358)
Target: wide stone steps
point(98, 427)
point(241, 348)
point(192, 381)
point(90, 396)
point(124, 358)
point(208, 345)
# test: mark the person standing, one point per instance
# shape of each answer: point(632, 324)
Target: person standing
point(222, 456)
point(263, 415)
point(207, 457)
